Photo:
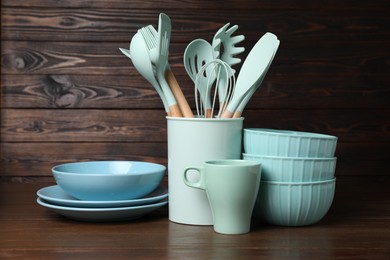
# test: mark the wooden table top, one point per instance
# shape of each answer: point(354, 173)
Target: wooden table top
point(356, 227)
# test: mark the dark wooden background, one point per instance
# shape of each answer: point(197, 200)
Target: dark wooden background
point(68, 94)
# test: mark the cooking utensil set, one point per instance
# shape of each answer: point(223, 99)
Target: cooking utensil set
point(209, 66)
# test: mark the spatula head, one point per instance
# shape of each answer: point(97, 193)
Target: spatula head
point(253, 68)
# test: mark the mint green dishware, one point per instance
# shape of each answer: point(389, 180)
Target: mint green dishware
point(294, 203)
point(192, 141)
point(294, 169)
point(232, 187)
point(275, 142)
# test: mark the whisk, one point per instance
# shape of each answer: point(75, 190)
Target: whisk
point(218, 76)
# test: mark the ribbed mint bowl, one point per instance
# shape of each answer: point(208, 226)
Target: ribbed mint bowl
point(294, 204)
point(108, 180)
point(294, 169)
point(274, 142)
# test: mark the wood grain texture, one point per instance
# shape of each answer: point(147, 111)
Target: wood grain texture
point(109, 24)
point(133, 92)
point(59, 125)
point(78, 91)
point(65, 85)
point(83, 125)
point(36, 159)
point(202, 4)
point(302, 57)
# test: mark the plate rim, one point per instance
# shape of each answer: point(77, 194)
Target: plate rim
point(100, 204)
point(44, 203)
point(103, 214)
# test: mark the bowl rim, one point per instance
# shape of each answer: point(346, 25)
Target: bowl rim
point(55, 169)
point(281, 132)
point(301, 183)
point(296, 158)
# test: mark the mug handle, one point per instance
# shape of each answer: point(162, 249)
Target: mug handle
point(194, 184)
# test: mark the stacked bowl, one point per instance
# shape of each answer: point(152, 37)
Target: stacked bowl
point(298, 182)
point(105, 190)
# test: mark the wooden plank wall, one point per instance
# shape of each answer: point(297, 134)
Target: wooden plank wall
point(68, 93)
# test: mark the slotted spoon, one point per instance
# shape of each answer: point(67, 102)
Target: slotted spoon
point(164, 34)
point(198, 53)
point(151, 38)
point(138, 54)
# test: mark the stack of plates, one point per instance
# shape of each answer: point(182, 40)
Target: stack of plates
point(57, 200)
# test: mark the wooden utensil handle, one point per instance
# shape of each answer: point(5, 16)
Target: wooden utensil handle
point(174, 111)
point(237, 114)
point(227, 114)
point(179, 96)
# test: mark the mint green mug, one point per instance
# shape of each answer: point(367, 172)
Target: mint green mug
point(231, 187)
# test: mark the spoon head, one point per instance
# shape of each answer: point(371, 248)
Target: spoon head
point(196, 55)
point(140, 57)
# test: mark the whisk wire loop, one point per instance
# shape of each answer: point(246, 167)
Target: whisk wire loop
point(225, 81)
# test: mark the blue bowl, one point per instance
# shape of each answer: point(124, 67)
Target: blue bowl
point(108, 180)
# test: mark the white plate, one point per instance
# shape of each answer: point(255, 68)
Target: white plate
point(56, 195)
point(103, 214)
